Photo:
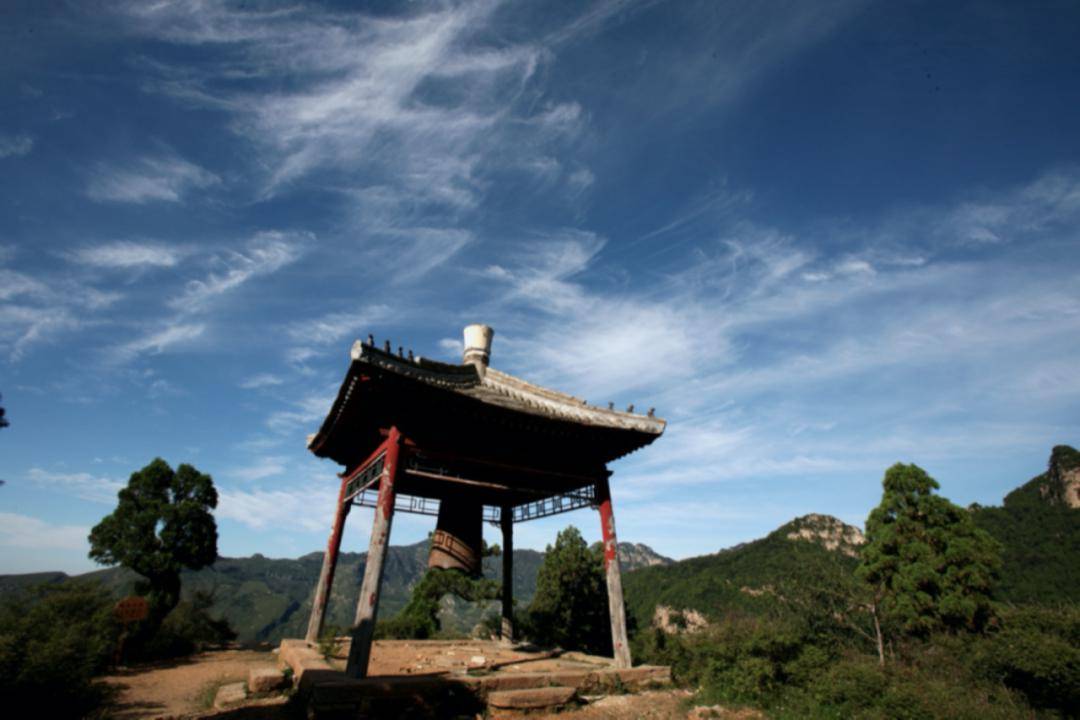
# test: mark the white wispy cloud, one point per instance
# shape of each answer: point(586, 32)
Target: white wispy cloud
point(595, 343)
point(775, 361)
point(410, 161)
point(262, 468)
point(14, 284)
point(261, 380)
point(163, 178)
point(354, 100)
point(128, 254)
point(264, 254)
point(24, 531)
point(260, 509)
point(158, 341)
point(304, 414)
point(543, 268)
point(15, 145)
point(452, 347)
point(335, 327)
point(22, 327)
point(82, 485)
point(39, 309)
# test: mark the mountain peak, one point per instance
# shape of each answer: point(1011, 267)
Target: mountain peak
point(826, 531)
point(1059, 485)
point(1064, 477)
point(637, 555)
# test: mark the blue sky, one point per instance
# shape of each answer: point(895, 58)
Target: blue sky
point(819, 238)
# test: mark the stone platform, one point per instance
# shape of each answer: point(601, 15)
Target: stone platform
point(437, 678)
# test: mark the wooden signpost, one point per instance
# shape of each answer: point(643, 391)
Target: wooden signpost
point(128, 611)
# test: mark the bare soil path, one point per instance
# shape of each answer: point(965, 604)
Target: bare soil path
point(181, 687)
point(648, 705)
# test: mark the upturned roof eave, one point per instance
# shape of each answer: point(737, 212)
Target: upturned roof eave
point(494, 388)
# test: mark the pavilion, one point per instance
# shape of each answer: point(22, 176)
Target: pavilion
point(468, 444)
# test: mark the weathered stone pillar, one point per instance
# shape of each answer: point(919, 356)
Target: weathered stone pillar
point(616, 608)
point(367, 605)
point(506, 520)
point(329, 566)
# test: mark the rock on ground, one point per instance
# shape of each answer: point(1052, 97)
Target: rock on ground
point(230, 694)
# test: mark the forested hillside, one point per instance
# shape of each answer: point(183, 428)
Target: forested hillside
point(266, 599)
point(1038, 527)
point(945, 612)
point(747, 578)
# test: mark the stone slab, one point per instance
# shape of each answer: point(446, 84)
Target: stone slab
point(532, 698)
point(326, 690)
point(265, 680)
point(303, 658)
point(230, 694)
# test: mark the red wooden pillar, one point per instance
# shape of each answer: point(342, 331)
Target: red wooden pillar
point(326, 577)
point(506, 520)
point(367, 606)
point(614, 577)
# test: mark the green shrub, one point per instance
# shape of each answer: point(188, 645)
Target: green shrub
point(783, 667)
point(186, 629)
point(741, 659)
point(328, 640)
point(1037, 652)
point(53, 641)
point(419, 619)
point(850, 685)
point(570, 607)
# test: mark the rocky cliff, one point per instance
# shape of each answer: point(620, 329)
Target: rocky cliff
point(826, 531)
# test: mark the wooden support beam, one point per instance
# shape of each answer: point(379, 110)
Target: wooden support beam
point(616, 607)
point(506, 520)
point(367, 606)
point(326, 577)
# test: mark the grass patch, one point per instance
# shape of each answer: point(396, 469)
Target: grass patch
point(206, 696)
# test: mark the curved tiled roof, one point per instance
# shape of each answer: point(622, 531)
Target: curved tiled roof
point(492, 388)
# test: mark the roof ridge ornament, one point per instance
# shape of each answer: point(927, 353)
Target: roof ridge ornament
point(478, 347)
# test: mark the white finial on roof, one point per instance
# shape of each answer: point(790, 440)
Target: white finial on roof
point(478, 346)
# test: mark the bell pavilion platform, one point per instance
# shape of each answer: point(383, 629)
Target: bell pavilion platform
point(438, 678)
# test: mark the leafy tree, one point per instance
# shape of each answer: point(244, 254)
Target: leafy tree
point(1040, 534)
point(419, 619)
point(161, 524)
point(927, 564)
point(570, 607)
point(189, 627)
point(54, 639)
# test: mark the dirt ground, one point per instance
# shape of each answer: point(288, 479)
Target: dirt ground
point(653, 705)
point(181, 687)
point(186, 687)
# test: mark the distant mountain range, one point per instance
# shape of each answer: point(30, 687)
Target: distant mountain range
point(1038, 527)
point(266, 599)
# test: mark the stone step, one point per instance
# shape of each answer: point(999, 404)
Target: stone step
point(542, 698)
point(230, 694)
point(263, 680)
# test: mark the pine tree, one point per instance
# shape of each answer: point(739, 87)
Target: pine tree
point(570, 607)
point(927, 564)
point(161, 524)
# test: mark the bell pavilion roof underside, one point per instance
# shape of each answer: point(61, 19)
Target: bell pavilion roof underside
point(490, 419)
